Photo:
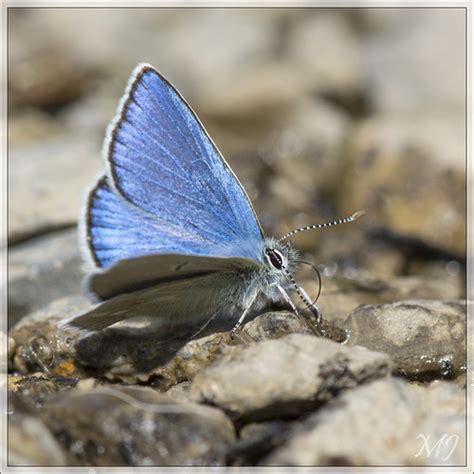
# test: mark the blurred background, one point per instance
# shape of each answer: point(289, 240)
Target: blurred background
point(319, 112)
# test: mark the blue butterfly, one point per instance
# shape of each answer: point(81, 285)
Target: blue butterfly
point(170, 229)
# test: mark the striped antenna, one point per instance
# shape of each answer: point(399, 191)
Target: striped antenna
point(344, 220)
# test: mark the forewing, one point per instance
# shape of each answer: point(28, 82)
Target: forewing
point(162, 161)
point(116, 229)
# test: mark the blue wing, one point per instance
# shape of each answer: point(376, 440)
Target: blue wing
point(168, 188)
point(116, 229)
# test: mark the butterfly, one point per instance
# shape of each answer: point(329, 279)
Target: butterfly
point(169, 228)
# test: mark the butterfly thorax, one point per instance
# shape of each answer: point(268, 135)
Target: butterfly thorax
point(278, 261)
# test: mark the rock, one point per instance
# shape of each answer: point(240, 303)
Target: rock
point(411, 96)
point(274, 325)
point(42, 74)
point(155, 359)
point(425, 339)
point(40, 345)
point(395, 194)
point(414, 287)
point(167, 359)
point(30, 443)
point(386, 422)
point(289, 193)
point(42, 270)
point(406, 40)
point(137, 426)
point(131, 353)
point(40, 203)
point(461, 380)
point(11, 347)
point(179, 392)
point(284, 377)
point(324, 50)
point(28, 125)
point(163, 360)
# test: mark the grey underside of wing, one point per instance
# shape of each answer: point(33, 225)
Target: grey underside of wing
point(134, 274)
point(182, 301)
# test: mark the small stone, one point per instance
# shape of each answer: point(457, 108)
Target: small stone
point(284, 377)
point(386, 422)
point(425, 339)
point(42, 345)
point(137, 427)
point(179, 392)
point(274, 325)
point(256, 440)
point(36, 388)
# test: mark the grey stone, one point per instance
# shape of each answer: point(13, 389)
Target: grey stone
point(386, 422)
point(30, 443)
point(425, 339)
point(42, 270)
point(137, 426)
point(284, 377)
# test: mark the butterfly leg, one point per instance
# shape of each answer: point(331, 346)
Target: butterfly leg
point(204, 326)
point(315, 329)
point(314, 309)
point(239, 323)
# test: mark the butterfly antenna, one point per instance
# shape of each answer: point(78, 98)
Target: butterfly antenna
point(344, 220)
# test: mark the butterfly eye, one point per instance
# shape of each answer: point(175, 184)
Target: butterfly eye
point(275, 258)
